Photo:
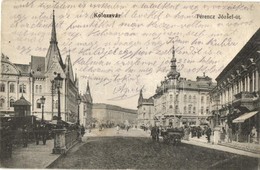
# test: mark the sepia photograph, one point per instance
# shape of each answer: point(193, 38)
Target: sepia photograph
point(130, 84)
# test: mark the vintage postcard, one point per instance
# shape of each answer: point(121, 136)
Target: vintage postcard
point(130, 84)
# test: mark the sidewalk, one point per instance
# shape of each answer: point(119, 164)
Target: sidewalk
point(34, 156)
point(234, 147)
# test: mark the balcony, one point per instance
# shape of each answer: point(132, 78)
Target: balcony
point(245, 99)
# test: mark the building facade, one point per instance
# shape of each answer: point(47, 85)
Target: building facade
point(145, 112)
point(37, 79)
point(237, 102)
point(86, 108)
point(179, 101)
point(15, 82)
point(105, 113)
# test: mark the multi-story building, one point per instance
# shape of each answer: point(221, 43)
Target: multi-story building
point(237, 103)
point(179, 101)
point(106, 113)
point(15, 81)
point(145, 112)
point(86, 107)
point(37, 79)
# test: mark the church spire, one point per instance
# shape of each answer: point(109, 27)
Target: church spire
point(173, 74)
point(53, 54)
point(88, 88)
point(53, 32)
point(140, 100)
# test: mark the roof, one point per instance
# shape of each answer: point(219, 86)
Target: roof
point(113, 107)
point(252, 44)
point(38, 66)
point(23, 68)
point(22, 102)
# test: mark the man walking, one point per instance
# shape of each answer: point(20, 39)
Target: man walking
point(208, 133)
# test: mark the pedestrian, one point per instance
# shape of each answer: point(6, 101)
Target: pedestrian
point(44, 132)
point(198, 132)
point(37, 133)
point(230, 135)
point(208, 133)
point(25, 136)
point(223, 134)
point(253, 135)
point(157, 133)
point(117, 129)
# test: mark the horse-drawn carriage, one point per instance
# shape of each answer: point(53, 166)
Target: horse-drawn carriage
point(172, 136)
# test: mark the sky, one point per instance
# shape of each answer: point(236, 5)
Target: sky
point(122, 47)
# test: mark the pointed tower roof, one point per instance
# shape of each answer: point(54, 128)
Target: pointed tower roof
point(87, 95)
point(53, 51)
point(173, 74)
point(140, 100)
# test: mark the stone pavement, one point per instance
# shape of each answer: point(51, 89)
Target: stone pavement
point(221, 146)
point(34, 156)
point(202, 141)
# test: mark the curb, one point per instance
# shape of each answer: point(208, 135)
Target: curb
point(50, 165)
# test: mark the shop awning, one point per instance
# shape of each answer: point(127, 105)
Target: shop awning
point(243, 117)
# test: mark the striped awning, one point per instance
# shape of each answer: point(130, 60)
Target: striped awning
point(245, 116)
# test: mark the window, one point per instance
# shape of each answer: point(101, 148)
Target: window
point(194, 110)
point(176, 108)
point(56, 104)
point(38, 104)
point(202, 99)
point(40, 88)
point(171, 96)
point(207, 110)
point(36, 89)
point(11, 88)
point(202, 110)
point(194, 98)
point(2, 87)
point(170, 107)
point(11, 102)
point(2, 101)
point(185, 109)
point(189, 109)
point(207, 99)
point(185, 98)
point(22, 88)
point(189, 98)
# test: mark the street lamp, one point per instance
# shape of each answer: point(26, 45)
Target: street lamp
point(58, 84)
point(42, 102)
point(79, 101)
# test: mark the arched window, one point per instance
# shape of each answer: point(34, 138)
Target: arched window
point(189, 109)
point(194, 98)
point(194, 110)
point(176, 107)
point(2, 102)
point(170, 107)
point(202, 110)
point(11, 103)
point(185, 98)
point(189, 98)
point(207, 99)
point(171, 96)
point(202, 99)
point(11, 88)
point(185, 109)
point(40, 88)
point(38, 104)
point(2, 87)
point(22, 88)
point(36, 89)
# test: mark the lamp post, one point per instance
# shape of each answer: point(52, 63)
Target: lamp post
point(42, 102)
point(58, 84)
point(79, 101)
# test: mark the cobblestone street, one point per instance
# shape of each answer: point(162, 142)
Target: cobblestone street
point(125, 151)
